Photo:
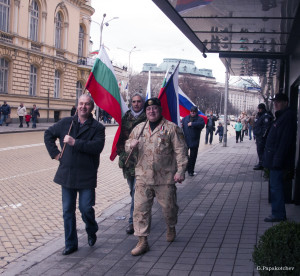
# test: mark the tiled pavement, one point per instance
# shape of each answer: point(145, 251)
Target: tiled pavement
point(220, 219)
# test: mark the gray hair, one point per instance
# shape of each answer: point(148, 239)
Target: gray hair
point(137, 94)
point(91, 99)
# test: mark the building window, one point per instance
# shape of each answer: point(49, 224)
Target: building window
point(56, 84)
point(3, 76)
point(33, 80)
point(58, 30)
point(79, 89)
point(4, 15)
point(80, 42)
point(34, 21)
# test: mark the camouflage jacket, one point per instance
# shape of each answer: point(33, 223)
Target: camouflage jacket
point(128, 123)
point(161, 153)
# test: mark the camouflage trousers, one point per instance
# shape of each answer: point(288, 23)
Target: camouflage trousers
point(143, 201)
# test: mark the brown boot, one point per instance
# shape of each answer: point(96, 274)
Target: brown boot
point(141, 247)
point(171, 234)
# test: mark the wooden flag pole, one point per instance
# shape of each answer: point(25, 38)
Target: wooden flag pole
point(137, 139)
point(62, 152)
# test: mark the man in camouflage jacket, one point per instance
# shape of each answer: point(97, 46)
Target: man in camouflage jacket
point(162, 161)
point(132, 117)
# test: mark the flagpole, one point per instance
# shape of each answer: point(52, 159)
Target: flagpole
point(62, 152)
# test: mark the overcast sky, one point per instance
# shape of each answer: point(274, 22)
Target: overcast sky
point(142, 24)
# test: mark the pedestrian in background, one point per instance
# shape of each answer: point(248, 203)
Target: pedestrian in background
point(34, 115)
point(279, 154)
point(21, 111)
point(27, 119)
point(78, 168)
point(73, 110)
point(162, 161)
point(192, 126)
point(131, 118)
point(244, 121)
point(251, 125)
point(210, 127)
point(261, 128)
point(5, 110)
point(238, 129)
point(220, 131)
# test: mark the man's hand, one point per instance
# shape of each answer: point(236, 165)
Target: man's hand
point(179, 178)
point(189, 123)
point(57, 157)
point(134, 143)
point(69, 140)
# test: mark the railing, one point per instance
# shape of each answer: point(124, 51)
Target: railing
point(5, 37)
point(36, 46)
point(82, 61)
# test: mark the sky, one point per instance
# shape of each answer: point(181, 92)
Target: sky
point(141, 24)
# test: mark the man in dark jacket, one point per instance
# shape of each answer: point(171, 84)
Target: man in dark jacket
point(210, 127)
point(5, 110)
point(279, 154)
point(132, 118)
point(78, 167)
point(262, 124)
point(192, 126)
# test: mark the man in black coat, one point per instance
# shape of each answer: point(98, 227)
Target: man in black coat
point(192, 126)
point(210, 128)
point(78, 167)
point(279, 154)
point(262, 124)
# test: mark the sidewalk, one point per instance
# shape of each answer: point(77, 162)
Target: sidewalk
point(221, 217)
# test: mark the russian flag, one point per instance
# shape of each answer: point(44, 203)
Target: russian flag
point(186, 5)
point(185, 104)
point(148, 92)
point(168, 96)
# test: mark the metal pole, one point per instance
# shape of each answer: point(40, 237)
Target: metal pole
point(225, 104)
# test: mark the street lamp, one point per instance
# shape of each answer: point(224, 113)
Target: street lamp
point(128, 70)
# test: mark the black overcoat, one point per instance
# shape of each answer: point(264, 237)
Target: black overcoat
point(192, 133)
point(79, 164)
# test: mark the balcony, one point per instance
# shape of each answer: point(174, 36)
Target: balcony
point(5, 37)
point(36, 46)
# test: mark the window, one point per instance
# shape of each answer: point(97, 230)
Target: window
point(3, 76)
point(79, 88)
point(58, 30)
point(33, 80)
point(80, 42)
point(56, 84)
point(34, 21)
point(4, 15)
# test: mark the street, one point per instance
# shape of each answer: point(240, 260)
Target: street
point(30, 202)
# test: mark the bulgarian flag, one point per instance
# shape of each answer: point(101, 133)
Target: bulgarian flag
point(104, 88)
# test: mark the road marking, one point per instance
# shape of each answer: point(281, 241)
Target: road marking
point(35, 145)
point(29, 173)
point(13, 206)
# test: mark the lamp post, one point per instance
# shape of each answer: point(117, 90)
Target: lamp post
point(128, 70)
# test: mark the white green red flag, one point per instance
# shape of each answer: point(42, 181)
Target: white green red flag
point(104, 88)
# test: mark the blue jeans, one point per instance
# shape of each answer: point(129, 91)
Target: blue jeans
point(131, 184)
point(86, 203)
point(33, 122)
point(3, 119)
point(250, 132)
point(277, 194)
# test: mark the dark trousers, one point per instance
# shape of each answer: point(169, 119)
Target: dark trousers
point(238, 136)
point(209, 131)
point(86, 203)
point(277, 194)
point(192, 159)
point(260, 147)
point(131, 184)
point(21, 120)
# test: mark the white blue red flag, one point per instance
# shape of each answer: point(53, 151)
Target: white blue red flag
point(186, 5)
point(168, 96)
point(185, 104)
